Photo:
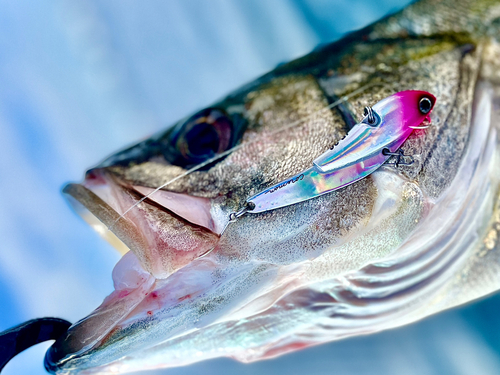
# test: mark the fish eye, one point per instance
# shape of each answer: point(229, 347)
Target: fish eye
point(200, 137)
point(425, 105)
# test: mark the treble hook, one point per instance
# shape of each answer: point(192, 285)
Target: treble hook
point(400, 157)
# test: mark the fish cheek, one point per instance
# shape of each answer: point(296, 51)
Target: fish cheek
point(302, 231)
point(448, 148)
point(451, 76)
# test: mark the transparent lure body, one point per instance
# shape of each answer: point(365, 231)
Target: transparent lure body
point(358, 155)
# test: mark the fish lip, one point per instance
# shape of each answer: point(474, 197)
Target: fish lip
point(98, 177)
point(124, 236)
point(166, 201)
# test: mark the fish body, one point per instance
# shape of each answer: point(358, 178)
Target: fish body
point(387, 250)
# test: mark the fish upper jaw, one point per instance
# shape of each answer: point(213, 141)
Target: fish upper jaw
point(165, 231)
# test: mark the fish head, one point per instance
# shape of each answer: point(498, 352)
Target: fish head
point(387, 250)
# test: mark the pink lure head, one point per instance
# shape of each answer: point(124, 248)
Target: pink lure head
point(415, 107)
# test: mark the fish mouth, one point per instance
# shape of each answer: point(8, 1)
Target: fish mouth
point(165, 230)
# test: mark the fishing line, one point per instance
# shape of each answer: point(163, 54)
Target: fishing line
point(227, 152)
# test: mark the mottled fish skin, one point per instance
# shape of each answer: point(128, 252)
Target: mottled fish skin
point(385, 251)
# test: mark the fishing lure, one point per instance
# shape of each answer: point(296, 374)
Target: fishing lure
point(367, 146)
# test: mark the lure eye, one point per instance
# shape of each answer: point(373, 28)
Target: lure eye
point(425, 105)
point(201, 137)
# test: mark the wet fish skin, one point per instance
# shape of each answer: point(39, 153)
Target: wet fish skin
point(386, 251)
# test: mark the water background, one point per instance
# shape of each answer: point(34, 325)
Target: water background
point(81, 79)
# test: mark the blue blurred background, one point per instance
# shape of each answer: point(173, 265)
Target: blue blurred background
point(81, 79)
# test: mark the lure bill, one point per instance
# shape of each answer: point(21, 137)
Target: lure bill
point(366, 147)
